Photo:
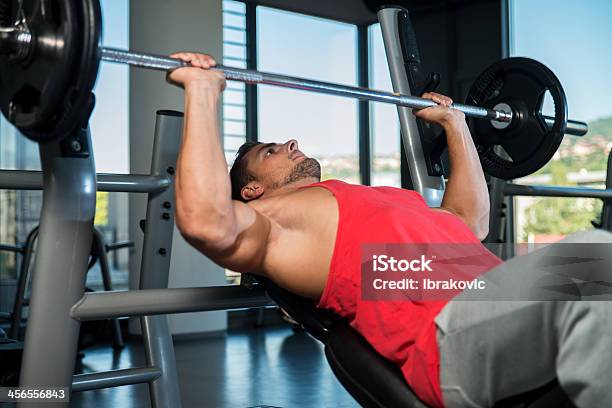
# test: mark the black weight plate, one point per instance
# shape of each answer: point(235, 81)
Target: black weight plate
point(528, 142)
point(78, 100)
point(46, 94)
point(31, 90)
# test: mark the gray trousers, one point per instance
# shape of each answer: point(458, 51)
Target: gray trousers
point(491, 350)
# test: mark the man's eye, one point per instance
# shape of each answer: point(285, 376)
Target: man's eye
point(269, 152)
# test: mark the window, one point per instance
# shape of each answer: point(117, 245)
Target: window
point(20, 210)
point(234, 97)
point(324, 126)
point(573, 42)
point(111, 142)
point(384, 124)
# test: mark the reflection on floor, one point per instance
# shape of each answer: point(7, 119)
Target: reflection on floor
point(269, 366)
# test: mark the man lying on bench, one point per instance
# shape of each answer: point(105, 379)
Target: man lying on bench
point(273, 216)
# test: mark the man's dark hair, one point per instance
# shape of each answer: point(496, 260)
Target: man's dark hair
point(239, 175)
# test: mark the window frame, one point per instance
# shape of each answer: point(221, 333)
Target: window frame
point(363, 107)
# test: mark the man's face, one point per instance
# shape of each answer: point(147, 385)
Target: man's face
point(276, 165)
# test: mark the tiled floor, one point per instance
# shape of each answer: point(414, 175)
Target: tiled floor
point(270, 366)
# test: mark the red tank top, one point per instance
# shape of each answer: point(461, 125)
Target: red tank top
point(402, 331)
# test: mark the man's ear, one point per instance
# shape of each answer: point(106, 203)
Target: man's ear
point(252, 191)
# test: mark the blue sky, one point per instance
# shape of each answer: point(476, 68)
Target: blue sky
point(313, 48)
point(574, 39)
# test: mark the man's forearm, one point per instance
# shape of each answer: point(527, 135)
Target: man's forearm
point(466, 192)
point(203, 191)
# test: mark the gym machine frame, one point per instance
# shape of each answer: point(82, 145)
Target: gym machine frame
point(27, 249)
point(59, 303)
point(58, 299)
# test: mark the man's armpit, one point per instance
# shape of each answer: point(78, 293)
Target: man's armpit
point(247, 252)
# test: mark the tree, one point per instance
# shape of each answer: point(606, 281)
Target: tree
point(551, 215)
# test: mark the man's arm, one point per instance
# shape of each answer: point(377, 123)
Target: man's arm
point(229, 232)
point(466, 192)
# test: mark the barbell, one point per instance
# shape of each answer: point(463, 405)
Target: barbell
point(50, 53)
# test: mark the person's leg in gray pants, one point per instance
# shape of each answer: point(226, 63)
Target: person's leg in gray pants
point(490, 350)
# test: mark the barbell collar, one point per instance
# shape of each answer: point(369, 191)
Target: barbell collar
point(15, 41)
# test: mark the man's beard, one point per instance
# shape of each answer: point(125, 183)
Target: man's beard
point(307, 168)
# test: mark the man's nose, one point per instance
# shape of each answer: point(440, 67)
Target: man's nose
point(292, 145)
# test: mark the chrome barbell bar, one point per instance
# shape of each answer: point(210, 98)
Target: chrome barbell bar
point(16, 40)
point(249, 76)
point(163, 63)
